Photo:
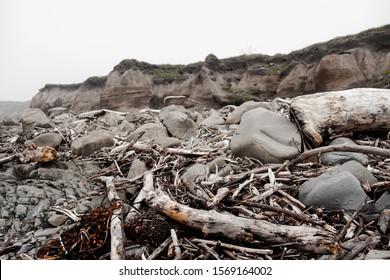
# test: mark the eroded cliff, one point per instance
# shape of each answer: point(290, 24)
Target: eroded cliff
point(361, 60)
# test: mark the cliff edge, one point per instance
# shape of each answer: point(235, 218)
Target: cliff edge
point(360, 60)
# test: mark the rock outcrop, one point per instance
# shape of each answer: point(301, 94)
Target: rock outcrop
point(361, 60)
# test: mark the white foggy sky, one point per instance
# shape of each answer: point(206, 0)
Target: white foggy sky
point(56, 41)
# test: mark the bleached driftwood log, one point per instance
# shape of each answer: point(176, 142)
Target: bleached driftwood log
point(331, 113)
point(116, 228)
point(311, 239)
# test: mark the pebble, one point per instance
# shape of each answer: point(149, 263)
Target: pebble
point(57, 220)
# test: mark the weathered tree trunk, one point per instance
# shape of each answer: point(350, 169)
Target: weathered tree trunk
point(331, 113)
point(311, 239)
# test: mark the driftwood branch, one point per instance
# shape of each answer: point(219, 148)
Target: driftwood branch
point(116, 229)
point(335, 148)
point(311, 239)
point(233, 247)
point(156, 150)
point(7, 159)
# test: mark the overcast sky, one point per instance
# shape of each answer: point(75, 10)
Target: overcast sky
point(67, 41)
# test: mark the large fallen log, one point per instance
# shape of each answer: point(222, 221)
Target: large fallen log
point(322, 115)
point(310, 239)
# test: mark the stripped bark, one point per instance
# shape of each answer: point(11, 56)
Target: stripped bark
point(310, 239)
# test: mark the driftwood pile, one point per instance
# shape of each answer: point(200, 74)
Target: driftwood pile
point(252, 213)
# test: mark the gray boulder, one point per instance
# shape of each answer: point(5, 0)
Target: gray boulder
point(235, 116)
point(180, 125)
point(92, 142)
point(34, 117)
point(46, 139)
point(335, 190)
point(333, 158)
point(383, 202)
point(359, 171)
point(267, 136)
point(148, 131)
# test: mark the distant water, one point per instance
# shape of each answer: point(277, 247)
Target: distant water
point(12, 109)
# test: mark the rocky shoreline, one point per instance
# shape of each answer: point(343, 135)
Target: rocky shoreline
point(231, 162)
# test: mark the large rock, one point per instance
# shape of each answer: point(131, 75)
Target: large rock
point(383, 202)
point(235, 116)
point(359, 171)
point(267, 136)
point(148, 131)
point(92, 142)
point(34, 117)
point(334, 190)
point(180, 125)
point(46, 139)
point(341, 157)
point(340, 189)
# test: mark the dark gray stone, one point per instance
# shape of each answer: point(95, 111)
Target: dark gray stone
point(359, 171)
point(57, 219)
point(26, 171)
point(92, 142)
point(266, 136)
point(336, 190)
point(46, 139)
point(333, 158)
point(383, 202)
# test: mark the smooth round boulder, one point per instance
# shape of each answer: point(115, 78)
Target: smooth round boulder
point(266, 136)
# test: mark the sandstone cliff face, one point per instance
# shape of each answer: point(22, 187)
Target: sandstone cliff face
point(361, 60)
